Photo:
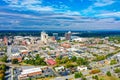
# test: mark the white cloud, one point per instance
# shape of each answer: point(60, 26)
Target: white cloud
point(35, 5)
point(23, 2)
point(72, 13)
point(18, 15)
point(39, 8)
point(11, 1)
point(95, 7)
point(106, 20)
point(30, 2)
point(101, 3)
point(63, 20)
point(88, 10)
point(112, 14)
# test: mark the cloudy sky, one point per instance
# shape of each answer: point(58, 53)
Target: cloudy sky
point(60, 14)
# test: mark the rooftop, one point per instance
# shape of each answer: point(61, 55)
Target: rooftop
point(32, 70)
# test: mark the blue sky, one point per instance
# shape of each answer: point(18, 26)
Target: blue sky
point(60, 14)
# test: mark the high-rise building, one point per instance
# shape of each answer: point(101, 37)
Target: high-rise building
point(55, 35)
point(5, 41)
point(68, 35)
point(44, 37)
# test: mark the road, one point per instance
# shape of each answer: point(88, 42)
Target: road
point(8, 74)
point(64, 77)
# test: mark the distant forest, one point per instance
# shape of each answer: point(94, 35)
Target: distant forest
point(61, 33)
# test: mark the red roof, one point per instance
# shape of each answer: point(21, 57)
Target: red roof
point(25, 52)
point(51, 62)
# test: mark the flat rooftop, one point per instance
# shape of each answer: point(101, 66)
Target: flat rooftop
point(31, 70)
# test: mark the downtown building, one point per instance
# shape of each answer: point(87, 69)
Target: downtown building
point(55, 35)
point(68, 35)
point(44, 37)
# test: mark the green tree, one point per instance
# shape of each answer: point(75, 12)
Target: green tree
point(70, 65)
point(83, 78)
point(95, 77)
point(112, 62)
point(99, 58)
point(37, 61)
point(29, 79)
point(58, 60)
point(63, 60)
point(78, 75)
point(82, 61)
point(117, 70)
point(4, 58)
point(3, 67)
point(37, 56)
point(15, 61)
point(108, 73)
point(26, 61)
point(74, 58)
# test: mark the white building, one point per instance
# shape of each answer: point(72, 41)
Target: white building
point(30, 72)
point(81, 68)
point(15, 54)
point(44, 37)
point(59, 68)
point(118, 58)
point(79, 39)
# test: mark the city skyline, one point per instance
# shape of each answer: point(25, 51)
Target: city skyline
point(59, 15)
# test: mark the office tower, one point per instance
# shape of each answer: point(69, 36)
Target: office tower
point(44, 37)
point(55, 35)
point(5, 41)
point(68, 35)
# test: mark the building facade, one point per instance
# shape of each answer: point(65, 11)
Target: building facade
point(68, 35)
point(44, 37)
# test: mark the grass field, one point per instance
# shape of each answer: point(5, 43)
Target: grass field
point(108, 78)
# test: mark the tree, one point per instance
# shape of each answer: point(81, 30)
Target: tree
point(63, 60)
point(2, 71)
point(37, 56)
point(1, 76)
point(29, 79)
point(78, 75)
point(3, 67)
point(37, 61)
point(112, 62)
point(15, 61)
point(117, 70)
point(26, 61)
point(108, 73)
point(82, 61)
point(95, 77)
point(83, 78)
point(102, 79)
point(99, 58)
point(58, 60)
point(70, 65)
point(4, 59)
point(74, 58)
